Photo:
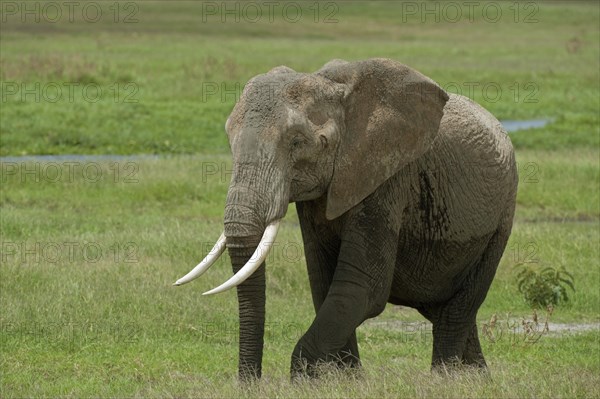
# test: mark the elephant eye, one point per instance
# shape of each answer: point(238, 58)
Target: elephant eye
point(297, 142)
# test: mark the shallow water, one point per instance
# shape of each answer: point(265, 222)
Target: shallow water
point(513, 126)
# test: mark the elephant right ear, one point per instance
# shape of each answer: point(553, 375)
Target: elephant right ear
point(392, 116)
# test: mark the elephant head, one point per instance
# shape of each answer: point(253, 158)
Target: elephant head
point(340, 133)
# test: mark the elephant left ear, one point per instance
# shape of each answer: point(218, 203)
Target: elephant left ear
point(392, 116)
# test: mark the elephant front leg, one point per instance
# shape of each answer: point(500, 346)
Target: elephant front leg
point(332, 338)
point(322, 248)
point(359, 289)
point(321, 264)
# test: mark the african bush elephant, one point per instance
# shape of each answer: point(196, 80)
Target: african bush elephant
point(405, 194)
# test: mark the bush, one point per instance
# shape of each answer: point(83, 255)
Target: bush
point(548, 286)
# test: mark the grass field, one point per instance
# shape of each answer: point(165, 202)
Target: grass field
point(90, 248)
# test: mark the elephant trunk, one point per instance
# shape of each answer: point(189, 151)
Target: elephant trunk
point(251, 303)
point(244, 229)
point(253, 209)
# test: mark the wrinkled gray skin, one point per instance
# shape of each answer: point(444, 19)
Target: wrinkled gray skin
point(405, 194)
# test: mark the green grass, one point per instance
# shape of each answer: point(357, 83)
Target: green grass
point(88, 258)
point(116, 321)
point(546, 69)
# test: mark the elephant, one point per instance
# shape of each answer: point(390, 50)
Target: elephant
point(405, 194)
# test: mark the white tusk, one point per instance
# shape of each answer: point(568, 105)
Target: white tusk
point(203, 266)
point(258, 257)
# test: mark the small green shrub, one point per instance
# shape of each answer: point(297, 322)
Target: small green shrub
point(548, 286)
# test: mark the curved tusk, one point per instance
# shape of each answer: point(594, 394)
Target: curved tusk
point(203, 266)
point(258, 257)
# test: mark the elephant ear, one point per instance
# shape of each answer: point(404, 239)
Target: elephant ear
point(392, 116)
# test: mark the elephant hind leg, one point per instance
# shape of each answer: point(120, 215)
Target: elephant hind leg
point(455, 337)
point(472, 355)
point(456, 347)
point(461, 351)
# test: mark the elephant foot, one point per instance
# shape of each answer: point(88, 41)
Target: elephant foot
point(455, 366)
point(302, 371)
point(248, 376)
point(304, 366)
